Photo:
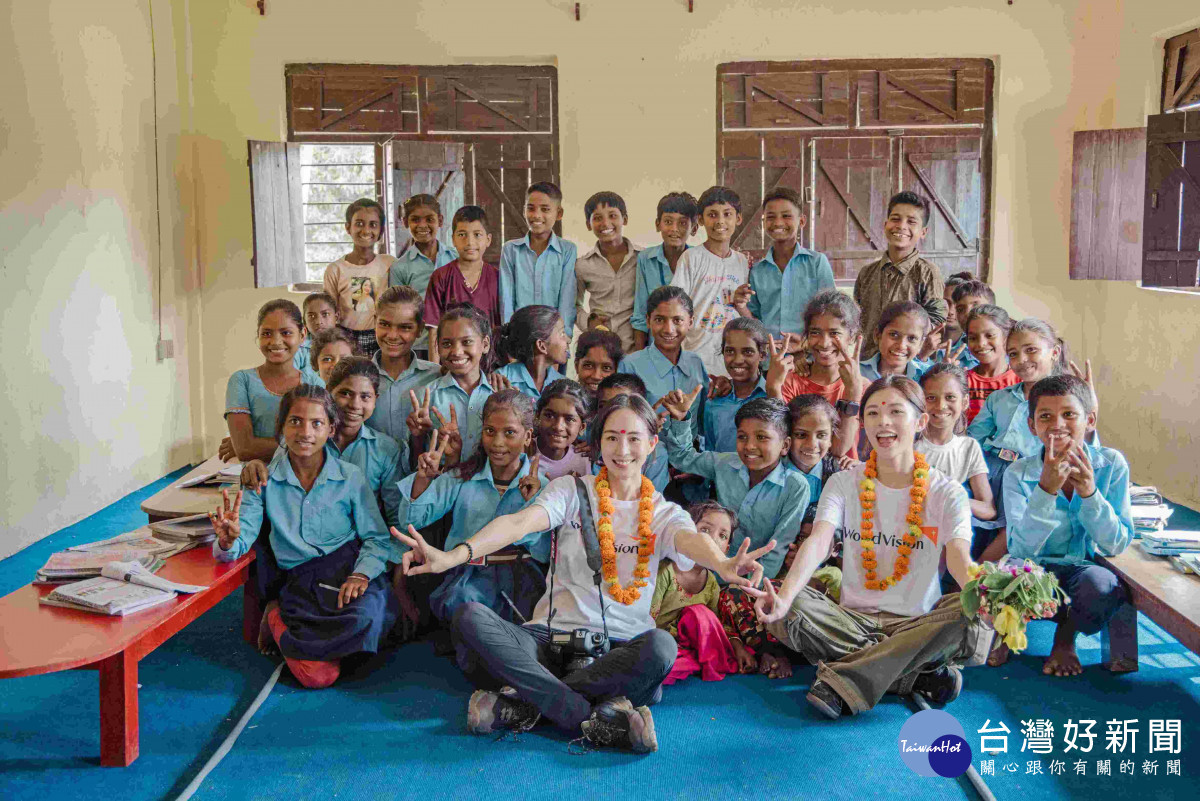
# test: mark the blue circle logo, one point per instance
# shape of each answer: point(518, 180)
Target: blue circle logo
point(933, 743)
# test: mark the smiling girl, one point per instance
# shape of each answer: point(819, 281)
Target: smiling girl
point(355, 280)
point(562, 412)
point(986, 328)
point(536, 339)
point(902, 330)
point(424, 253)
point(744, 348)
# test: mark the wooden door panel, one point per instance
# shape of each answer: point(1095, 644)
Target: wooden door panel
point(501, 103)
point(922, 96)
point(1171, 232)
point(946, 170)
point(852, 181)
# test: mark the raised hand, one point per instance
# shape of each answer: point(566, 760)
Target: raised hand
point(419, 422)
point(741, 298)
point(1083, 477)
point(429, 464)
point(532, 483)
point(421, 556)
point(254, 475)
point(226, 451)
point(768, 606)
point(226, 520)
point(736, 568)
point(780, 365)
point(1056, 468)
point(1086, 375)
point(499, 381)
point(848, 369)
point(678, 403)
point(354, 586)
point(952, 358)
point(719, 386)
point(449, 429)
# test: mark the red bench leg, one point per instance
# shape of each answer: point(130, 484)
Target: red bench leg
point(118, 710)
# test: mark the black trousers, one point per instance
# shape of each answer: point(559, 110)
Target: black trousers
point(494, 652)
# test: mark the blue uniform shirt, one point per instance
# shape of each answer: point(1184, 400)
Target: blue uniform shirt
point(519, 376)
point(247, 394)
point(653, 271)
point(780, 295)
point(445, 392)
point(661, 377)
point(302, 361)
point(1003, 423)
point(545, 279)
point(870, 369)
point(393, 406)
point(413, 268)
point(720, 433)
point(306, 525)
point(475, 502)
point(1051, 529)
point(773, 509)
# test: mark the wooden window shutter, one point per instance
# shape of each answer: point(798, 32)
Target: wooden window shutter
point(1171, 236)
point(1181, 71)
point(277, 213)
point(853, 179)
point(427, 168)
point(1107, 188)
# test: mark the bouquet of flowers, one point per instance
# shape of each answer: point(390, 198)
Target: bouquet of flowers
point(1009, 594)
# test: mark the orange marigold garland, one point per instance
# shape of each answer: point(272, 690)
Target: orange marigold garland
point(608, 550)
point(866, 498)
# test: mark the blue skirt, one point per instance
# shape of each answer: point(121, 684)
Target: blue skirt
point(316, 628)
point(524, 581)
point(985, 530)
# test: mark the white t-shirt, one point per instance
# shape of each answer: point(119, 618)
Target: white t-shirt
point(959, 459)
point(575, 596)
point(947, 516)
point(710, 282)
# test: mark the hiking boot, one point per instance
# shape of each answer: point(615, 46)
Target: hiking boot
point(488, 712)
point(617, 724)
point(940, 686)
point(823, 699)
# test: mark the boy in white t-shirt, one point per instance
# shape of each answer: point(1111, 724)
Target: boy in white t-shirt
point(357, 279)
point(711, 274)
point(893, 630)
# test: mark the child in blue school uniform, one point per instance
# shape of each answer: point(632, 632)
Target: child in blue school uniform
point(320, 313)
point(900, 334)
point(423, 254)
point(329, 541)
point(498, 479)
point(676, 219)
point(1066, 505)
point(456, 398)
point(252, 395)
point(328, 348)
point(536, 340)
point(539, 268)
point(784, 280)
point(744, 348)
point(398, 327)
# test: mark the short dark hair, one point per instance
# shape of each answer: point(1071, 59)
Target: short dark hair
point(635, 403)
point(400, 295)
point(700, 508)
point(595, 338)
point(287, 307)
point(419, 201)
point(350, 367)
point(627, 381)
point(837, 304)
point(307, 392)
point(956, 372)
point(719, 194)
point(468, 214)
point(323, 339)
point(324, 297)
point(784, 193)
point(994, 313)
point(676, 203)
point(666, 294)
point(610, 199)
point(754, 328)
point(547, 188)
point(973, 289)
point(570, 390)
point(899, 309)
point(366, 203)
point(1057, 386)
point(813, 404)
point(771, 411)
point(909, 198)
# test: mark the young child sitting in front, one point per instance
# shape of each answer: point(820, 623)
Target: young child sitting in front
point(333, 600)
point(656, 467)
point(947, 448)
point(987, 330)
point(784, 281)
point(467, 279)
point(744, 348)
point(330, 347)
point(320, 313)
point(357, 279)
point(597, 354)
point(399, 326)
point(535, 339)
point(901, 330)
point(666, 365)
point(685, 604)
point(539, 268)
point(607, 273)
point(252, 395)
point(901, 274)
point(1066, 505)
point(424, 252)
point(675, 221)
point(562, 412)
point(711, 275)
point(497, 479)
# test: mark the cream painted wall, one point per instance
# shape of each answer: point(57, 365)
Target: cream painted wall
point(89, 413)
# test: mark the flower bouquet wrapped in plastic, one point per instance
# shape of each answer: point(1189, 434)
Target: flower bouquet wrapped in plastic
point(1009, 594)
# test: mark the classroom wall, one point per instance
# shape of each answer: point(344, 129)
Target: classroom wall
point(89, 413)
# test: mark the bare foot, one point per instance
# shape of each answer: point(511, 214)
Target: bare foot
point(999, 654)
point(775, 667)
point(266, 640)
point(1063, 659)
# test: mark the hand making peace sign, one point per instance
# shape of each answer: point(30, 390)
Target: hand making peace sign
point(226, 520)
point(429, 464)
point(848, 370)
point(531, 484)
point(419, 422)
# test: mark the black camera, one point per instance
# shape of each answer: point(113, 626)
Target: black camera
point(575, 650)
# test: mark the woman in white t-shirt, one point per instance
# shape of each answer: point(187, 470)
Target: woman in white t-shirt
point(894, 631)
point(608, 699)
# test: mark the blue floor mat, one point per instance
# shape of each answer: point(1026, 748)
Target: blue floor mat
point(398, 729)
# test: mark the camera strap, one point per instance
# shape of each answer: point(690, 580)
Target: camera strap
point(591, 544)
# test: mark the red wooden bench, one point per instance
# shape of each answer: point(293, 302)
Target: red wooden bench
point(1160, 592)
point(46, 639)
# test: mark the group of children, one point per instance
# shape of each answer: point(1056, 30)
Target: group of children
point(430, 391)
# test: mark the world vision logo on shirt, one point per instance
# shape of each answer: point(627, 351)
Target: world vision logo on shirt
point(895, 541)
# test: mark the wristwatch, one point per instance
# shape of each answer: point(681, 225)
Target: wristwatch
point(848, 408)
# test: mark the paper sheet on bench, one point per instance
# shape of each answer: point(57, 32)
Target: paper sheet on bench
point(134, 573)
point(229, 474)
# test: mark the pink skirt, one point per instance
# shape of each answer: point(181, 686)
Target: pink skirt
point(704, 647)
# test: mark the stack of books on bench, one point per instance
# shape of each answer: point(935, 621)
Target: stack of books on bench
point(1171, 543)
point(229, 474)
point(186, 532)
point(86, 561)
point(1150, 511)
point(121, 589)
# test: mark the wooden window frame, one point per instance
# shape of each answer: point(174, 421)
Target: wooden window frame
point(1181, 72)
